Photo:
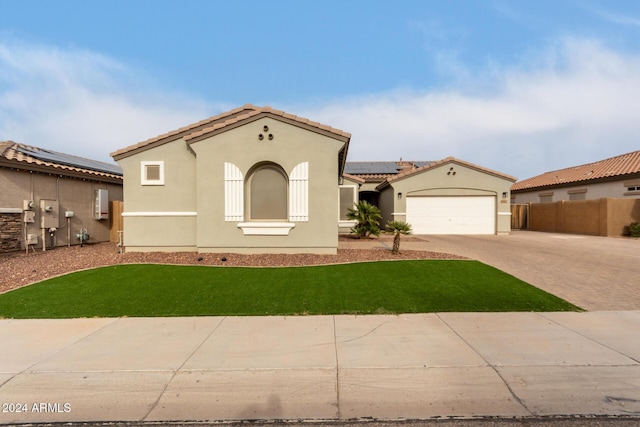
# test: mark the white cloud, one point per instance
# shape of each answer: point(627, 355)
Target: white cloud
point(617, 18)
point(575, 103)
point(82, 103)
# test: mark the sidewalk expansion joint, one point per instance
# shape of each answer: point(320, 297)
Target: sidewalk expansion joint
point(588, 338)
point(495, 369)
point(175, 371)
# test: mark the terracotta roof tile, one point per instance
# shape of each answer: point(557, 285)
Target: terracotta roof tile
point(221, 121)
point(353, 178)
point(33, 156)
point(170, 136)
point(617, 166)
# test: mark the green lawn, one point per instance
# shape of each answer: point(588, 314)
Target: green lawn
point(363, 288)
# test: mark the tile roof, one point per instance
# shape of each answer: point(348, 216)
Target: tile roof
point(353, 178)
point(223, 121)
point(613, 168)
point(178, 133)
point(406, 173)
point(28, 157)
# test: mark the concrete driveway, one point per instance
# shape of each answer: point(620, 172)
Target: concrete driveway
point(595, 273)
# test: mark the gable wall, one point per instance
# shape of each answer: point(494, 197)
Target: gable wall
point(437, 182)
point(161, 217)
point(290, 146)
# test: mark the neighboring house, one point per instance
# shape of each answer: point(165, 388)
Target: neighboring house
point(616, 177)
point(449, 196)
point(47, 197)
point(250, 180)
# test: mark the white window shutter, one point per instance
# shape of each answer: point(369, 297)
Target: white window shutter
point(233, 193)
point(299, 193)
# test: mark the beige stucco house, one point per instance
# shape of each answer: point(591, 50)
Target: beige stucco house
point(48, 197)
point(449, 196)
point(250, 180)
point(615, 177)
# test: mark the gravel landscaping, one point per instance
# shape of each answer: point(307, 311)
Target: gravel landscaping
point(19, 269)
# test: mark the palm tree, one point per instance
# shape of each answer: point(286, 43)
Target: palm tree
point(367, 217)
point(397, 228)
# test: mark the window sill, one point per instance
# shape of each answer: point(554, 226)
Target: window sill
point(266, 228)
point(343, 223)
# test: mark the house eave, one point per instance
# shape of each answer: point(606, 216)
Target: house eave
point(59, 171)
point(215, 130)
point(583, 182)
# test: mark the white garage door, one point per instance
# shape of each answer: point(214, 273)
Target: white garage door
point(452, 215)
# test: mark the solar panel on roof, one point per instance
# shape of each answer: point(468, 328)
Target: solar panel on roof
point(382, 168)
point(69, 160)
point(420, 164)
point(371, 168)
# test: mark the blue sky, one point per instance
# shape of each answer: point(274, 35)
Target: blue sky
point(521, 87)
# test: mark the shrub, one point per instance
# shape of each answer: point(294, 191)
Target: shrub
point(397, 228)
point(368, 219)
point(634, 229)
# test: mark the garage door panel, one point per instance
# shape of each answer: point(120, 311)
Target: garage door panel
point(452, 215)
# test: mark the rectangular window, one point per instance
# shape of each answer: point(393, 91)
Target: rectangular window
point(546, 197)
point(577, 194)
point(347, 200)
point(152, 173)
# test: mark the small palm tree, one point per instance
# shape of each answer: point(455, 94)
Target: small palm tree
point(397, 228)
point(367, 217)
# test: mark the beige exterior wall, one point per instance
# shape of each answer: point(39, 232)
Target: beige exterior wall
point(72, 195)
point(437, 182)
point(161, 216)
point(594, 191)
point(369, 186)
point(194, 183)
point(387, 207)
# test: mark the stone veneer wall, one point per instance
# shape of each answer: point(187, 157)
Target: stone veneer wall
point(10, 231)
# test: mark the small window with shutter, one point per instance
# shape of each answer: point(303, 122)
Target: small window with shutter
point(152, 173)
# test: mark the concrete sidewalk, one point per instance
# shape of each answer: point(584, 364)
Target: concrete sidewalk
point(320, 367)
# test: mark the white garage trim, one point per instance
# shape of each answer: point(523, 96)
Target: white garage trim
point(452, 215)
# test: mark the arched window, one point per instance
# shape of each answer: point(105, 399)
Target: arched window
point(267, 192)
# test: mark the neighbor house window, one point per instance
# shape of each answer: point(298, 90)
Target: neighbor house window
point(348, 198)
point(580, 194)
point(152, 173)
point(267, 193)
point(546, 197)
point(632, 187)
